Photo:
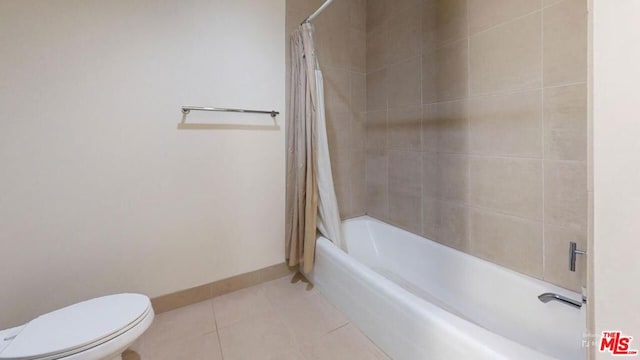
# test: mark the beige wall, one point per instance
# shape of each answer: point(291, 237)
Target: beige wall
point(340, 38)
point(616, 130)
point(477, 127)
point(100, 192)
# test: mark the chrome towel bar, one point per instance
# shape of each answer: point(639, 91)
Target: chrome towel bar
point(187, 109)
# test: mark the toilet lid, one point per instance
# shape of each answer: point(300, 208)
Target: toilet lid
point(77, 326)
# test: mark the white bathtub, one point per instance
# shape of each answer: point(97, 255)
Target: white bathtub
point(417, 299)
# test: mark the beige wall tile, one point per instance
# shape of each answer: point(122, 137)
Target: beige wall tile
point(404, 125)
point(506, 132)
point(454, 178)
point(565, 193)
point(377, 85)
point(377, 178)
point(338, 129)
point(332, 45)
point(378, 12)
point(405, 194)
point(565, 43)
point(358, 50)
point(378, 201)
point(429, 77)
point(358, 183)
point(405, 171)
point(307, 6)
point(431, 175)
point(405, 210)
point(403, 39)
point(452, 225)
point(565, 122)
point(509, 125)
point(556, 261)
point(445, 177)
point(376, 48)
point(507, 57)
point(507, 241)
point(507, 185)
point(444, 73)
point(484, 14)
point(376, 130)
point(337, 89)
point(293, 20)
point(430, 217)
point(443, 21)
point(358, 92)
point(358, 14)
point(445, 127)
point(342, 171)
point(546, 3)
point(342, 185)
point(400, 6)
point(359, 130)
point(404, 83)
point(340, 162)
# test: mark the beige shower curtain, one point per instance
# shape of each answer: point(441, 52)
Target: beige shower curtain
point(311, 204)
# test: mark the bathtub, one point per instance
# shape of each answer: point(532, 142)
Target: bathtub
point(417, 299)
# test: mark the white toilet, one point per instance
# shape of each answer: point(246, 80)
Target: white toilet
point(98, 329)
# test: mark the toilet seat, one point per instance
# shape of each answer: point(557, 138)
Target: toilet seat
point(76, 328)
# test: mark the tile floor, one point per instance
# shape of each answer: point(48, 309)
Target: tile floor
point(284, 319)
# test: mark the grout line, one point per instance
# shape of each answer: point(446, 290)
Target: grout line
point(387, 210)
point(552, 4)
point(502, 92)
point(471, 247)
point(511, 20)
point(495, 156)
point(338, 328)
point(215, 319)
point(501, 213)
point(509, 157)
point(422, 172)
point(542, 127)
point(564, 85)
point(365, 120)
point(498, 156)
point(350, 154)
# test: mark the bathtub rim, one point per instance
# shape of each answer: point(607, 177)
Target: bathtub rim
point(491, 342)
point(552, 287)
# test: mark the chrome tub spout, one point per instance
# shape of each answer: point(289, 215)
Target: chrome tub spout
point(546, 297)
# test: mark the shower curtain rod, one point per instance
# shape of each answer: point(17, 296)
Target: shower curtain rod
point(317, 12)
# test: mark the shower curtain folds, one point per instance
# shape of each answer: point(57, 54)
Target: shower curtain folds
point(311, 204)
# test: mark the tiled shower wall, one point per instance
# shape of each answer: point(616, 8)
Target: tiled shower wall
point(341, 45)
point(470, 116)
point(477, 127)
